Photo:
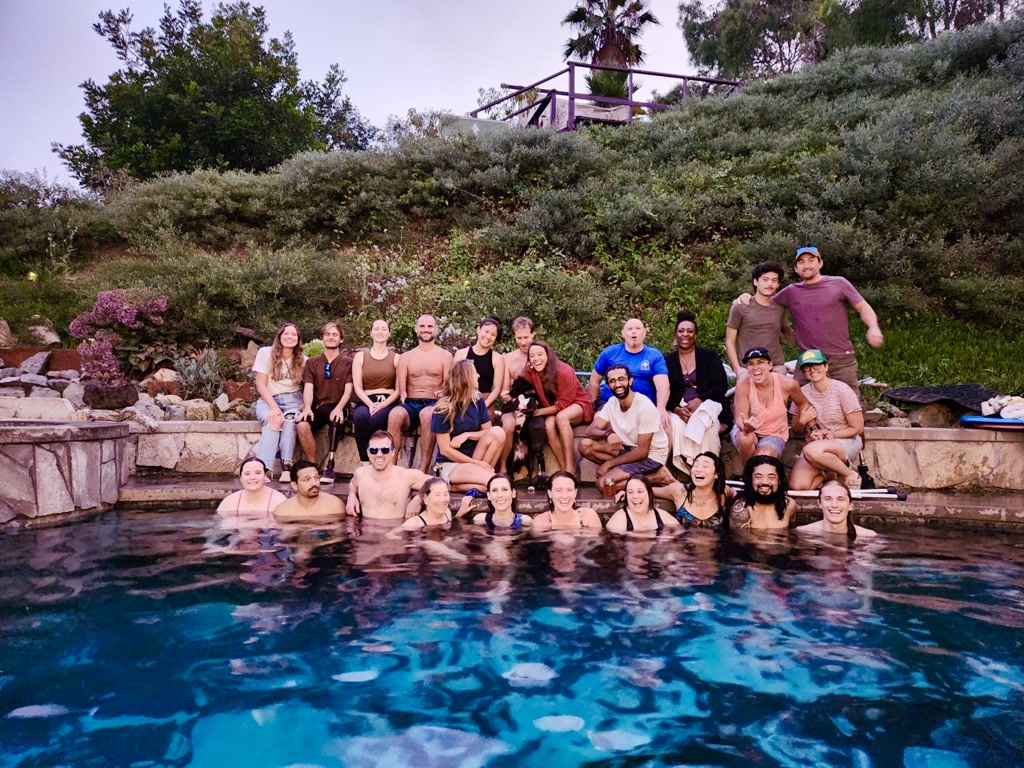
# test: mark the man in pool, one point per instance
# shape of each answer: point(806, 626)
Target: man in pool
point(308, 503)
point(763, 503)
point(626, 436)
point(646, 365)
point(420, 376)
point(381, 490)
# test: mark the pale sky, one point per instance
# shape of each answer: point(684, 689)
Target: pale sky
point(397, 54)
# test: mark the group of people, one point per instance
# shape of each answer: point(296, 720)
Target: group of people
point(645, 410)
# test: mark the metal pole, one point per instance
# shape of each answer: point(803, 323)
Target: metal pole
point(554, 109)
point(571, 124)
point(630, 97)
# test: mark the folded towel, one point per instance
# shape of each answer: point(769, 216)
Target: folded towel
point(697, 435)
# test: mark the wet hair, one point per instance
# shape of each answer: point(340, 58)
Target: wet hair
point(249, 460)
point(851, 529)
point(616, 367)
point(522, 322)
point(646, 483)
point(458, 392)
point(489, 519)
point(277, 355)
point(719, 486)
point(748, 483)
point(381, 434)
point(327, 326)
point(492, 320)
point(549, 378)
point(298, 466)
point(428, 484)
point(765, 267)
point(686, 316)
point(551, 481)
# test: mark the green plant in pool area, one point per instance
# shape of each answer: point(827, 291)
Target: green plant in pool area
point(117, 322)
point(312, 348)
point(201, 375)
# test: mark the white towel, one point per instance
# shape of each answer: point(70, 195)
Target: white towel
point(697, 435)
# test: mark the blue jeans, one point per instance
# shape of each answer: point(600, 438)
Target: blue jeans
point(271, 440)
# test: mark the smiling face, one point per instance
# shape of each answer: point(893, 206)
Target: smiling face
point(767, 284)
point(379, 452)
point(331, 337)
point(308, 484)
point(765, 480)
point(538, 357)
point(436, 501)
point(835, 503)
point(524, 338)
point(619, 382)
point(289, 337)
point(562, 494)
point(637, 498)
point(704, 472)
point(634, 333)
point(380, 331)
point(759, 369)
point(486, 335)
point(252, 476)
point(500, 494)
point(426, 328)
point(815, 372)
point(808, 266)
point(686, 336)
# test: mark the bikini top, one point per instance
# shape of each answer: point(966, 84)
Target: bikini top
point(448, 519)
point(517, 521)
point(657, 516)
point(715, 521)
point(238, 507)
point(484, 365)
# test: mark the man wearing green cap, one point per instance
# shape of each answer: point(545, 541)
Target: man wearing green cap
point(833, 427)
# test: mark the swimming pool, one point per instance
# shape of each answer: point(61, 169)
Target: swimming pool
point(156, 640)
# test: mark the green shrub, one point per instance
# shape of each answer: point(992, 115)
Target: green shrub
point(201, 375)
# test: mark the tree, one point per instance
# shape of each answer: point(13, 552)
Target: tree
point(197, 94)
point(608, 31)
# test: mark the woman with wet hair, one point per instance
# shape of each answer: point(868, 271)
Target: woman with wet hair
point(490, 365)
point(564, 513)
point(704, 501)
point(502, 509)
point(836, 504)
point(638, 512)
point(256, 501)
point(277, 371)
point(435, 497)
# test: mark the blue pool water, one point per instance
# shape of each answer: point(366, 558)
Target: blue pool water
point(158, 640)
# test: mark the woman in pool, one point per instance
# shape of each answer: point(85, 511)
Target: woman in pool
point(638, 511)
point(467, 445)
point(278, 374)
point(836, 504)
point(564, 512)
point(373, 383)
point(490, 365)
point(255, 502)
point(703, 502)
point(502, 511)
point(563, 401)
point(435, 496)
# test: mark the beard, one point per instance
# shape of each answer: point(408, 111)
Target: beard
point(621, 395)
point(760, 498)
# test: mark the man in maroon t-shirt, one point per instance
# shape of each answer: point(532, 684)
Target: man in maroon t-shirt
point(326, 390)
point(818, 306)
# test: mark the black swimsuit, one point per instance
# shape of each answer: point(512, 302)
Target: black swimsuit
point(484, 365)
point(657, 516)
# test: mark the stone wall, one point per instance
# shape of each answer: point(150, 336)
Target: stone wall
point(53, 468)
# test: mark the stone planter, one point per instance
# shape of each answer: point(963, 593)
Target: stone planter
point(110, 397)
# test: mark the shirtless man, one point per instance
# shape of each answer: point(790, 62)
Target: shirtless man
point(761, 407)
point(515, 363)
point(381, 490)
point(763, 503)
point(420, 375)
point(308, 503)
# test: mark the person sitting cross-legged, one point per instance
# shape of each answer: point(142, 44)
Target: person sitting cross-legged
point(626, 437)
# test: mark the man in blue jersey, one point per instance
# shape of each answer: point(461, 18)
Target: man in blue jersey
point(645, 364)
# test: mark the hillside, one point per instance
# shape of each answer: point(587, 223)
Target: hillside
point(904, 166)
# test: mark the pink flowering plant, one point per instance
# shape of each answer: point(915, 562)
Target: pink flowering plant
point(114, 329)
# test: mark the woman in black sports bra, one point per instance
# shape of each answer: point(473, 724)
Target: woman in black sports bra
point(490, 365)
point(638, 511)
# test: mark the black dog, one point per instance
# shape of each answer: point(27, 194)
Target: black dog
point(528, 437)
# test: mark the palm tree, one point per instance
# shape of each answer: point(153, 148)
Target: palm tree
point(608, 31)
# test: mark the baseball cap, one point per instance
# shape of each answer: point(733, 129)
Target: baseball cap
point(811, 357)
point(756, 352)
point(807, 249)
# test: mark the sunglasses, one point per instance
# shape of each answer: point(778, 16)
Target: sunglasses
point(375, 451)
point(807, 249)
point(327, 370)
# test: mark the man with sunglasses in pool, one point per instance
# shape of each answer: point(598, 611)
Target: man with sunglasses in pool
point(381, 490)
point(326, 390)
point(818, 306)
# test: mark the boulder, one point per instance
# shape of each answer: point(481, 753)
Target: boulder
point(100, 414)
point(165, 400)
point(174, 413)
point(74, 393)
point(68, 375)
point(9, 391)
point(8, 373)
point(222, 403)
point(198, 410)
point(110, 397)
point(7, 339)
point(59, 384)
point(248, 356)
point(900, 422)
point(43, 392)
point(874, 417)
point(34, 379)
point(139, 414)
point(165, 374)
point(35, 364)
point(934, 415)
point(82, 414)
point(41, 332)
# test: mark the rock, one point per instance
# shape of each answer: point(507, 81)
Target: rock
point(165, 374)
point(222, 403)
point(41, 332)
point(151, 409)
point(82, 414)
point(35, 364)
point(248, 356)
point(231, 417)
point(34, 379)
point(43, 392)
point(12, 391)
point(10, 381)
point(165, 400)
point(7, 339)
point(8, 373)
point(174, 413)
point(69, 375)
point(934, 415)
point(902, 423)
point(158, 451)
point(59, 384)
point(198, 410)
point(104, 415)
point(874, 417)
point(110, 397)
point(74, 393)
point(139, 415)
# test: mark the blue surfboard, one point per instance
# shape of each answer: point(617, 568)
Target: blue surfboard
point(992, 422)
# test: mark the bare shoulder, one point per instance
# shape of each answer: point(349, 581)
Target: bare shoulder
point(590, 518)
point(740, 512)
point(790, 508)
point(814, 527)
point(412, 478)
point(225, 506)
point(617, 522)
point(480, 518)
point(866, 533)
point(276, 499)
point(461, 354)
